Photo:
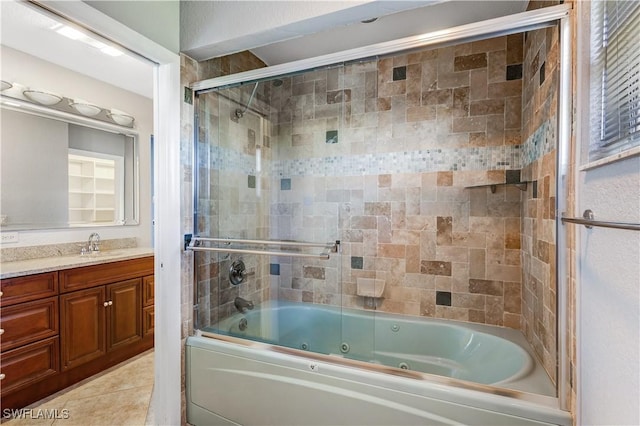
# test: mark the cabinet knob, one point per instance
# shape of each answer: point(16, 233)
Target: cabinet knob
point(106, 303)
point(1, 331)
point(1, 293)
point(110, 302)
point(2, 376)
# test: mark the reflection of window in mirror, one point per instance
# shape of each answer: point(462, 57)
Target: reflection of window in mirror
point(95, 187)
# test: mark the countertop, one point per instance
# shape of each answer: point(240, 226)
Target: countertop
point(55, 263)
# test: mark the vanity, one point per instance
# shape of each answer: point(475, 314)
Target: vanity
point(68, 309)
point(66, 318)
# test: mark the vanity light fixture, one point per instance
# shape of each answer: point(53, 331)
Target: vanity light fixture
point(121, 117)
point(42, 97)
point(5, 85)
point(85, 108)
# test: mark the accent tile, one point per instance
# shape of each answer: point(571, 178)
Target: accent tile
point(274, 269)
point(400, 73)
point(285, 184)
point(443, 298)
point(357, 262)
point(514, 72)
point(251, 181)
point(332, 136)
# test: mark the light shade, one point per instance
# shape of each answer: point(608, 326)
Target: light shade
point(121, 117)
point(5, 85)
point(42, 97)
point(85, 108)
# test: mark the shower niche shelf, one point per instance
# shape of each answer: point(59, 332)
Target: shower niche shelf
point(522, 186)
point(512, 178)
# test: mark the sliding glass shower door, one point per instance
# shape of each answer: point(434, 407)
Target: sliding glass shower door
point(263, 155)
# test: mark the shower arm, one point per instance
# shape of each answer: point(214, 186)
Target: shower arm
point(240, 113)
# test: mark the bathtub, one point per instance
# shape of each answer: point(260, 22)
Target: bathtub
point(287, 363)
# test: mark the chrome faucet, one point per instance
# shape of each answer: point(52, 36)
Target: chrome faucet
point(94, 242)
point(242, 305)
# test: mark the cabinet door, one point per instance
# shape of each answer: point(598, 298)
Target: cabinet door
point(82, 331)
point(124, 314)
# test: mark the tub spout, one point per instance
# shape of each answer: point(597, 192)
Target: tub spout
point(242, 305)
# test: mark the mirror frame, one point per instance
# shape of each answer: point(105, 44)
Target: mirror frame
point(19, 105)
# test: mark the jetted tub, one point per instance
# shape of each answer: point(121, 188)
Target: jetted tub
point(295, 363)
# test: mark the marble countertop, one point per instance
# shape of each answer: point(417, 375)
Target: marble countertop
point(55, 263)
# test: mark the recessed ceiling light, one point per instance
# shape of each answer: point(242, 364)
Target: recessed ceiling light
point(74, 34)
point(111, 51)
point(71, 33)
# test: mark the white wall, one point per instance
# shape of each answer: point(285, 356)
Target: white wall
point(609, 298)
point(30, 71)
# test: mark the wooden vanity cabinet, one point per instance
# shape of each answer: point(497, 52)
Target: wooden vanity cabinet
point(29, 324)
point(64, 326)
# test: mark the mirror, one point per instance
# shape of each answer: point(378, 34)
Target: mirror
point(61, 171)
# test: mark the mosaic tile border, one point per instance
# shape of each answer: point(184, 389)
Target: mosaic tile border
point(540, 143)
point(430, 160)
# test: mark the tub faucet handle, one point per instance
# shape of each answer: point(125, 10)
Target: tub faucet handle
point(238, 272)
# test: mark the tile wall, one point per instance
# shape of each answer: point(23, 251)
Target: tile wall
point(540, 100)
point(387, 150)
point(381, 155)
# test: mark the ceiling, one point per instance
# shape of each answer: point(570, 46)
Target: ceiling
point(284, 31)
point(26, 29)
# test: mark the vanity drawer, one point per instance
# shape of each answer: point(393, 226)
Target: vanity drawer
point(29, 322)
point(27, 288)
point(29, 364)
point(105, 273)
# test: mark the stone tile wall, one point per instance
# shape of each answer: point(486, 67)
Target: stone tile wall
point(540, 88)
point(378, 155)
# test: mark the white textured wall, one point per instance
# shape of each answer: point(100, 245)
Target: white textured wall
point(609, 298)
point(28, 70)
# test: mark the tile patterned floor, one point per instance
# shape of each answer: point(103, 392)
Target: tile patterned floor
point(120, 395)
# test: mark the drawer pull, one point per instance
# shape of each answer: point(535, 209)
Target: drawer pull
point(2, 376)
